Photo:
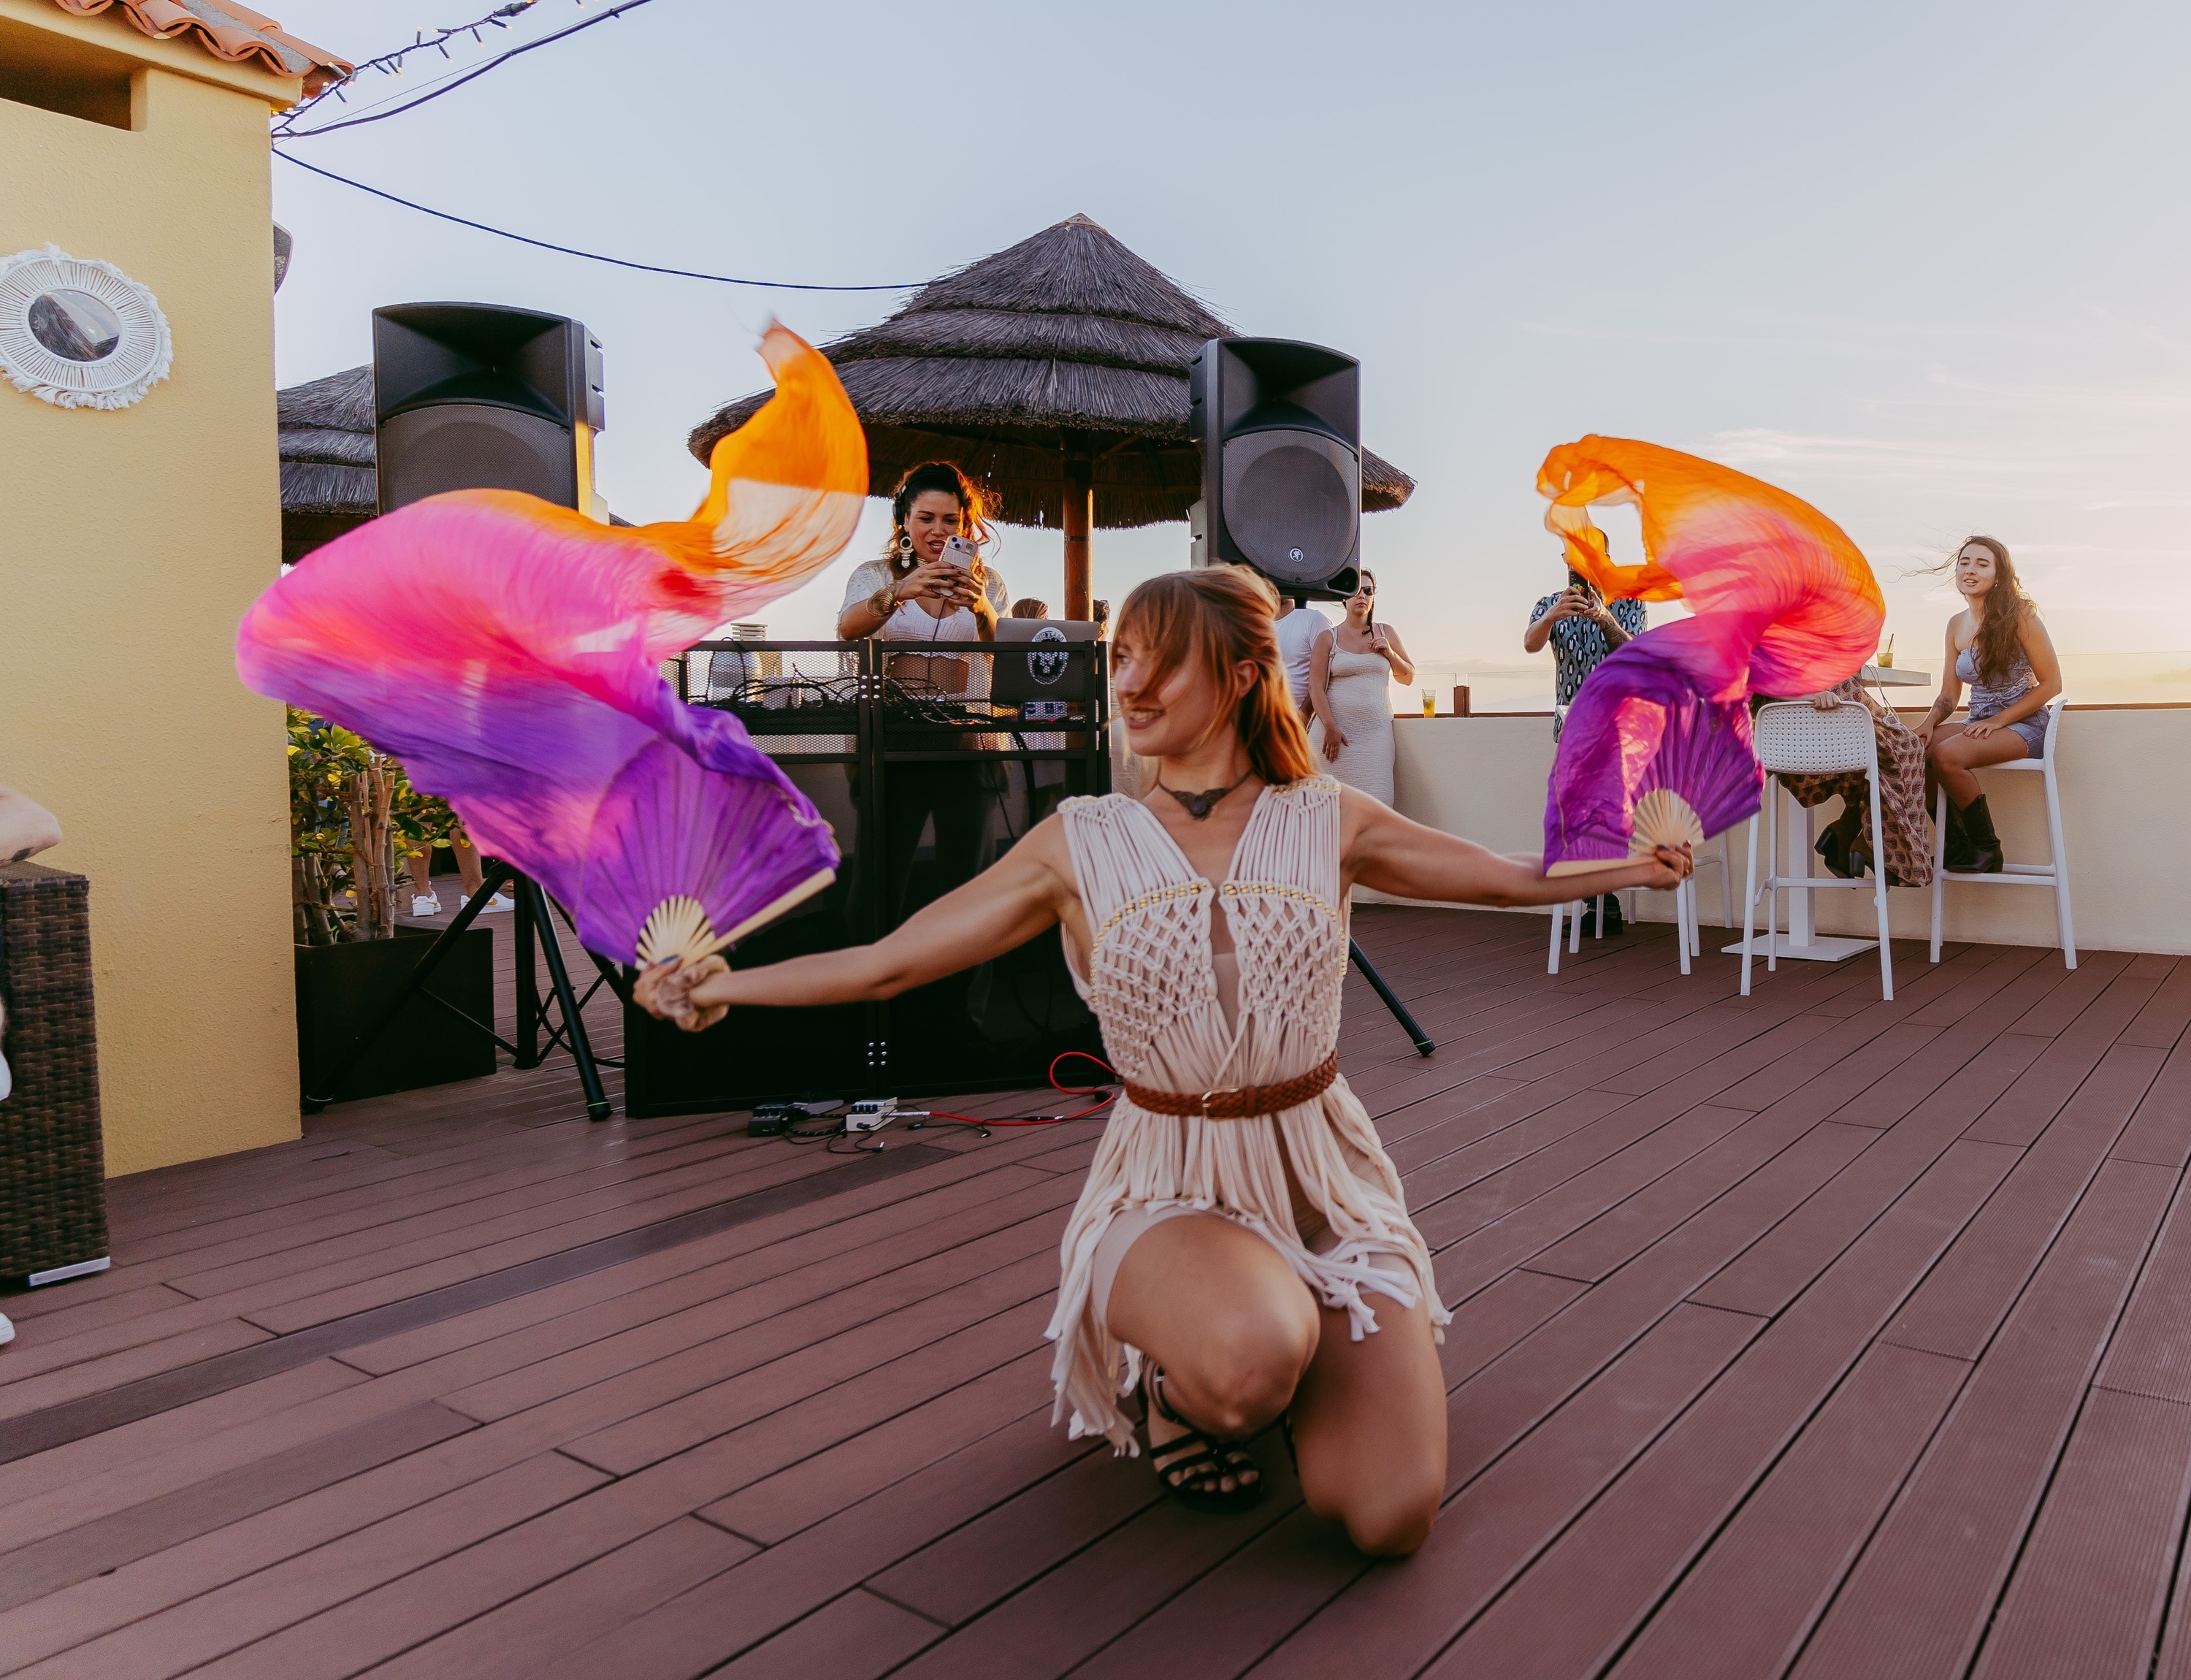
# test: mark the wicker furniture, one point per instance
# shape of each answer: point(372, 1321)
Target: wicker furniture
point(53, 1178)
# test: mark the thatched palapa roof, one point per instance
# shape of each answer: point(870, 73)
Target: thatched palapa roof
point(328, 481)
point(1065, 344)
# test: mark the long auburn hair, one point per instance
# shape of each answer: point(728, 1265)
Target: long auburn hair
point(1211, 621)
point(2001, 633)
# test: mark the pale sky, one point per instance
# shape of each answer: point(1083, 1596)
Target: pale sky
point(1921, 264)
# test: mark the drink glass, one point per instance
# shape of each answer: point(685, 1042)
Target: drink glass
point(1429, 702)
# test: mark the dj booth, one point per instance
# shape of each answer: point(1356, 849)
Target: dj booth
point(929, 761)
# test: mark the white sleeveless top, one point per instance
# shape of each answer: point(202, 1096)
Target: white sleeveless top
point(1154, 989)
point(913, 622)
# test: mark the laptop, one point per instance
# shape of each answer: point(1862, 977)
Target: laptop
point(1035, 671)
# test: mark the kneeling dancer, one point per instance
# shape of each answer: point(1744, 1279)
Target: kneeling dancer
point(1242, 1251)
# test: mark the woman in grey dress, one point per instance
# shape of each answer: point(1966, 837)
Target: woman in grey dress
point(1998, 645)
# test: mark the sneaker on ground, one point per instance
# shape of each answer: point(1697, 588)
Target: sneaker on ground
point(426, 904)
point(501, 901)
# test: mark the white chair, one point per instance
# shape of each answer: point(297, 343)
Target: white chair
point(2054, 873)
point(1794, 738)
point(1685, 913)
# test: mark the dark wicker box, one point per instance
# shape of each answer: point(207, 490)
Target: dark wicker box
point(52, 1176)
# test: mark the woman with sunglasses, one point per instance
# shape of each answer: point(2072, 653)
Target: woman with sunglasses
point(1349, 681)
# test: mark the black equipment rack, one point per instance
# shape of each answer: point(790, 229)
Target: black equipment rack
point(864, 729)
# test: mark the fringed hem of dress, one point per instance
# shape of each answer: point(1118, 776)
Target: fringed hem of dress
point(1153, 988)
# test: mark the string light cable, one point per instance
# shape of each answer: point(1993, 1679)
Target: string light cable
point(592, 256)
point(391, 64)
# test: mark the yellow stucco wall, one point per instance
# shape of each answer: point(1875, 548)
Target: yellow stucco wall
point(130, 544)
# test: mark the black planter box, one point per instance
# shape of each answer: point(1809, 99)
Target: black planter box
point(341, 989)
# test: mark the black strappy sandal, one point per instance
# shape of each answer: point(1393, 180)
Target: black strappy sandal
point(1194, 1465)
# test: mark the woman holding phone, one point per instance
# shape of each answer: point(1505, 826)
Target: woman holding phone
point(929, 585)
point(1349, 676)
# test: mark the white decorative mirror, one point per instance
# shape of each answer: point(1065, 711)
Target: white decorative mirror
point(79, 333)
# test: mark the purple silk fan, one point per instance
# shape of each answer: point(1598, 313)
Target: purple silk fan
point(1637, 726)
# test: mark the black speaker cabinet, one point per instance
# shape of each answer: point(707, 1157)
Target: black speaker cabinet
point(1279, 426)
point(478, 397)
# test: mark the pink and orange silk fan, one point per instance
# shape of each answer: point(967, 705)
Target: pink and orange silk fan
point(507, 651)
point(1657, 745)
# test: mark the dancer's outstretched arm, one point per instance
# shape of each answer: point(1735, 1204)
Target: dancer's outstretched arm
point(1385, 852)
point(1006, 905)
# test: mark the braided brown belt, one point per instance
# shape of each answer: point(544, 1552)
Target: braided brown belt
point(1239, 1103)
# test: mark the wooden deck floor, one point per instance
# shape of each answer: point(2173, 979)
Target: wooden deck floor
point(1801, 1333)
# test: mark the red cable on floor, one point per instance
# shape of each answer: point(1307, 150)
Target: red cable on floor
point(1109, 1098)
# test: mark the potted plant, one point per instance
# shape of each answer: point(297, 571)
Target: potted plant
point(353, 818)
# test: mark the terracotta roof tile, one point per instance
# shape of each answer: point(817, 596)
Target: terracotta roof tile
point(229, 33)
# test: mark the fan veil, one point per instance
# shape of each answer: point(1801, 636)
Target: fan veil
point(1781, 603)
point(508, 652)
point(1639, 738)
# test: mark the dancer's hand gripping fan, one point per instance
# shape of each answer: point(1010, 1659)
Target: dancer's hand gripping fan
point(508, 651)
point(1656, 750)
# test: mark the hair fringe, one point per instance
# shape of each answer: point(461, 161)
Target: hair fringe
point(1212, 621)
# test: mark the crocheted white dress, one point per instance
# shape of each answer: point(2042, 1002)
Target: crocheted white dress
point(1153, 988)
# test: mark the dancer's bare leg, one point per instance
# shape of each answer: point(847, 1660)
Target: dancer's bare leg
point(1233, 1327)
point(1369, 1424)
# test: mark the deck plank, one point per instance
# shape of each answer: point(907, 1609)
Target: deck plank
point(1800, 1330)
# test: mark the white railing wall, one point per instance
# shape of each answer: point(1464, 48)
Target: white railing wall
point(2125, 775)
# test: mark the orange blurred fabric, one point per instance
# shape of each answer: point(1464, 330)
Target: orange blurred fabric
point(1793, 604)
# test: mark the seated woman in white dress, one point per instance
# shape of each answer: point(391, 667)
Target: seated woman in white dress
point(1241, 1250)
point(1349, 681)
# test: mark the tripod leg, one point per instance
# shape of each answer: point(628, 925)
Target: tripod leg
point(1423, 1045)
point(582, 1049)
point(443, 944)
point(526, 980)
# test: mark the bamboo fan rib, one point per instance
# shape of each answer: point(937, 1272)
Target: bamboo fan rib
point(1663, 817)
point(678, 928)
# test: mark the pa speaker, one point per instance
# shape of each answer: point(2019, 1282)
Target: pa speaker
point(476, 396)
point(1279, 427)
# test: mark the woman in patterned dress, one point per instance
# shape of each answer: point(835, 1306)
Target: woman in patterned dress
point(1241, 1252)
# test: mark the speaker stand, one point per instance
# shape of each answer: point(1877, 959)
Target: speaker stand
point(533, 916)
point(1424, 1045)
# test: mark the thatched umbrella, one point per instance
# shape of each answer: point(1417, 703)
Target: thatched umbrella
point(1056, 371)
point(328, 481)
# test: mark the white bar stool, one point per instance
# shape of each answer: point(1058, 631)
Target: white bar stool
point(1796, 738)
point(2054, 873)
point(1685, 915)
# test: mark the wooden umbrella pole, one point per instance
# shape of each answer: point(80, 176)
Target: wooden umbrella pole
point(1079, 508)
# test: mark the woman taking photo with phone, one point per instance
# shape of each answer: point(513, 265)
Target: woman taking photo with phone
point(1241, 1250)
point(924, 588)
point(1350, 677)
point(1998, 645)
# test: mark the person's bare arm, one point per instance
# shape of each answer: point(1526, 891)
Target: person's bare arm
point(1003, 907)
point(1540, 627)
point(1396, 655)
point(1319, 693)
point(931, 577)
point(1614, 631)
point(1951, 690)
point(1387, 852)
